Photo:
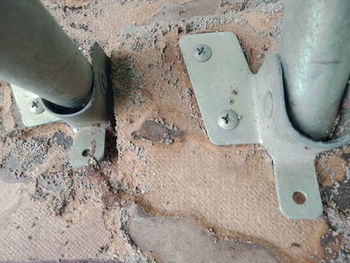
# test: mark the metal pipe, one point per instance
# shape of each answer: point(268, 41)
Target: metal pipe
point(315, 55)
point(37, 55)
point(343, 125)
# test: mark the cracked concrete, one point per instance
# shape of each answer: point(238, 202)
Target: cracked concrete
point(158, 155)
point(182, 240)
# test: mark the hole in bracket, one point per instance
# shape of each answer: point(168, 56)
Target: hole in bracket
point(85, 153)
point(299, 198)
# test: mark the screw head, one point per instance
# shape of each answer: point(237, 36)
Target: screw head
point(202, 53)
point(228, 120)
point(36, 107)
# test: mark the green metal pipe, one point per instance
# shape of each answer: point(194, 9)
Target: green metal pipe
point(315, 55)
point(38, 56)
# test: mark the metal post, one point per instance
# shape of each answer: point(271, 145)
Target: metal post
point(315, 55)
point(343, 126)
point(37, 55)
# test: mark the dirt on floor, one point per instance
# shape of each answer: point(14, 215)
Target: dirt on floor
point(159, 161)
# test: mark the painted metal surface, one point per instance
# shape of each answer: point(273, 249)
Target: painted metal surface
point(23, 99)
point(222, 91)
point(37, 55)
point(89, 141)
point(88, 124)
point(43, 64)
point(259, 102)
point(315, 55)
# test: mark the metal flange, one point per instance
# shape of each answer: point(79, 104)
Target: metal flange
point(88, 124)
point(239, 107)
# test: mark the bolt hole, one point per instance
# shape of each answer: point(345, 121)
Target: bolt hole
point(85, 153)
point(299, 198)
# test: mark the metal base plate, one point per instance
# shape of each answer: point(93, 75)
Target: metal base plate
point(23, 100)
point(89, 124)
point(88, 141)
point(225, 83)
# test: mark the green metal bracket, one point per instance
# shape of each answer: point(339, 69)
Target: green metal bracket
point(239, 107)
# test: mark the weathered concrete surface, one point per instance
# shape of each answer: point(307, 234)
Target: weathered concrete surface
point(182, 240)
point(158, 154)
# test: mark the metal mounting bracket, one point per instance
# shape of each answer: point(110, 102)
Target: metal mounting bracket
point(239, 107)
point(88, 124)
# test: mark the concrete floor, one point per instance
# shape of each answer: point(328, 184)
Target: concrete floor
point(164, 192)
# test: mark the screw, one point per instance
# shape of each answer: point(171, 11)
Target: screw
point(36, 107)
point(228, 120)
point(202, 53)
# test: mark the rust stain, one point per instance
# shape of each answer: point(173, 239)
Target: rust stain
point(157, 132)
